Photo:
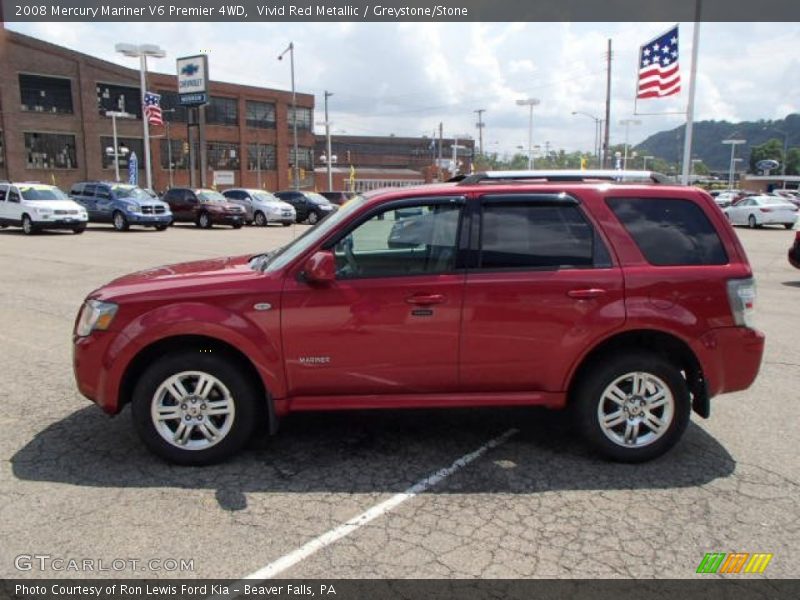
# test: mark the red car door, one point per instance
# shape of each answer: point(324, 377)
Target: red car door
point(389, 324)
point(542, 290)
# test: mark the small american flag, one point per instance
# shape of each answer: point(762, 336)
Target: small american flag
point(152, 110)
point(659, 74)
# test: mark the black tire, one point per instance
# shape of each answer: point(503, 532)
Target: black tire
point(120, 221)
point(313, 218)
point(3, 226)
point(286, 224)
point(587, 400)
point(162, 227)
point(260, 219)
point(236, 225)
point(78, 230)
point(788, 225)
point(204, 221)
point(28, 228)
point(243, 396)
point(751, 222)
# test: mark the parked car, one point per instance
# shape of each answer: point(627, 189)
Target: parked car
point(756, 211)
point(261, 208)
point(630, 304)
point(121, 204)
point(205, 208)
point(794, 252)
point(337, 198)
point(35, 207)
point(792, 196)
point(308, 206)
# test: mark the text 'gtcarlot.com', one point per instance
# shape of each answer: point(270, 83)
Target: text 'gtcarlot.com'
point(47, 562)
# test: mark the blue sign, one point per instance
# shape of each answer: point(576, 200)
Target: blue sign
point(194, 99)
point(133, 169)
point(189, 70)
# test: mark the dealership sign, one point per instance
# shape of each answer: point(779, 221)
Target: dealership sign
point(193, 80)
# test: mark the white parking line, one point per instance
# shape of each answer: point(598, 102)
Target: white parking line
point(329, 537)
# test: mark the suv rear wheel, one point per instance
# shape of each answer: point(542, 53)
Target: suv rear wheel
point(194, 409)
point(204, 220)
point(632, 408)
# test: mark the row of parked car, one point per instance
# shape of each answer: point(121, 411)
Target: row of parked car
point(779, 207)
point(35, 206)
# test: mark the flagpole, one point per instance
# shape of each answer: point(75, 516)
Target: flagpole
point(687, 142)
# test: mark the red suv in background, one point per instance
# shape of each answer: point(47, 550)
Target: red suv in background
point(629, 303)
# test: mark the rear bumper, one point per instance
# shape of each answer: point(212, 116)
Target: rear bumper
point(731, 358)
point(794, 255)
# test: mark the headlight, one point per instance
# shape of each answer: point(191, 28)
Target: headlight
point(133, 207)
point(44, 211)
point(95, 315)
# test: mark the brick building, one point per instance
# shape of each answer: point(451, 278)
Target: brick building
point(53, 123)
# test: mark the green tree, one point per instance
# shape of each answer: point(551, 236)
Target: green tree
point(771, 149)
point(793, 161)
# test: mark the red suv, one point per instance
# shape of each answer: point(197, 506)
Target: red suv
point(629, 303)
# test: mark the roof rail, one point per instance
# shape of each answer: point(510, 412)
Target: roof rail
point(567, 175)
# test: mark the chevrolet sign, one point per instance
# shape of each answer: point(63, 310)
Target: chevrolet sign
point(193, 80)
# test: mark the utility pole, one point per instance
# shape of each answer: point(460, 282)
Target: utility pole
point(608, 105)
point(480, 124)
point(328, 140)
point(439, 163)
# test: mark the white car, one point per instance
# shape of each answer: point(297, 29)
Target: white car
point(262, 208)
point(756, 211)
point(34, 206)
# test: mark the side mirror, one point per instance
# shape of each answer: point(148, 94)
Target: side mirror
point(320, 268)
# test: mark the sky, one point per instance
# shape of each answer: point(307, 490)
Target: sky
point(406, 78)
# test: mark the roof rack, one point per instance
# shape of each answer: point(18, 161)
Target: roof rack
point(566, 175)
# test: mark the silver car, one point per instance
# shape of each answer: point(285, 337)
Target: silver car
point(261, 207)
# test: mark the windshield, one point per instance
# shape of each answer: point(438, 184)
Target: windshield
point(291, 251)
point(42, 192)
point(130, 191)
point(210, 196)
point(317, 198)
point(265, 197)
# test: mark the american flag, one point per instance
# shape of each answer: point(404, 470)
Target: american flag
point(152, 110)
point(659, 74)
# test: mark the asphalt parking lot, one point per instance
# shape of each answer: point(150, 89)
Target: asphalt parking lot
point(76, 484)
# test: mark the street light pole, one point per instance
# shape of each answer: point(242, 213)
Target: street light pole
point(142, 51)
point(328, 141)
point(597, 122)
point(627, 123)
point(530, 103)
point(732, 144)
point(290, 50)
point(114, 115)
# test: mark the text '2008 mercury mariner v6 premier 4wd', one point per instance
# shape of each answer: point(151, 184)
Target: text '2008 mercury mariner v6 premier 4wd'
point(624, 299)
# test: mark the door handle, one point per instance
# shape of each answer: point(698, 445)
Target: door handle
point(425, 299)
point(586, 294)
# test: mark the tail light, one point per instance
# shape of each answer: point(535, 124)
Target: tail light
point(742, 297)
point(765, 210)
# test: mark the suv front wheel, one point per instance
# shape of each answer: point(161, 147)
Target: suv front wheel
point(632, 408)
point(194, 409)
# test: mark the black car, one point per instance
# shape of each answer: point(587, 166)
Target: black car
point(308, 206)
point(337, 198)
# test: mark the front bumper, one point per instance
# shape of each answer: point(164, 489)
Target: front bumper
point(227, 219)
point(142, 219)
point(60, 224)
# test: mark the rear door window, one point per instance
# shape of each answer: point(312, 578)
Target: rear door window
point(670, 231)
point(538, 235)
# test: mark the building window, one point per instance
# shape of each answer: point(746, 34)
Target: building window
point(261, 157)
point(304, 117)
point(127, 146)
point(50, 151)
point(223, 155)
point(2, 151)
point(45, 94)
point(119, 98)
point(260, 114)
point(179, 154)
point(305, 157)
point(172, 108)
point(222, 111)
